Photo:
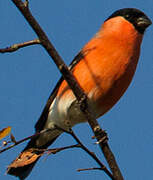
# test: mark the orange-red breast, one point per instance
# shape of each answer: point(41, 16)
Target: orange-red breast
point(104, 69)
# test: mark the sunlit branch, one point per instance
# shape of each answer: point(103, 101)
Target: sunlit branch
point(18, 46)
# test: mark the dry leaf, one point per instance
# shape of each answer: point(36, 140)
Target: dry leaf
point(25, 158)
point(4, 132)
point(12, 138)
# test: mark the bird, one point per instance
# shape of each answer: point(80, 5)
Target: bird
point(104, 68)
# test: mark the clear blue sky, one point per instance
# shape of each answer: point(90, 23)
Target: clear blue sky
point(28, 76)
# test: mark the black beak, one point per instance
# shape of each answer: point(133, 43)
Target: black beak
point(143, 22)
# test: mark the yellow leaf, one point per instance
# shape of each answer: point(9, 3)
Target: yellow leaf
point(4, 132)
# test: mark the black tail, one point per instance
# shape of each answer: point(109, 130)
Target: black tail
point(24, 163)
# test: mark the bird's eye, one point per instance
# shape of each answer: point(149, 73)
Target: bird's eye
point(127, 16)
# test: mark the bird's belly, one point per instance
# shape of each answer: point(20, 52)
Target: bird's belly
point(64, 114)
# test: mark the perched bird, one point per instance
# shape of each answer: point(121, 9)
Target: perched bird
point(103, 68)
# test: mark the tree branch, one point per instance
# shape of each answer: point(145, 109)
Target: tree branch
point(89, 169)
point(22, 140)
point(56, 150)
point(15, 47)
point(102, 166)
point(80, 95)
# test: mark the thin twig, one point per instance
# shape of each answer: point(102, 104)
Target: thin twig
point(89, 169)
point(25, 139)
point(56, 150)
point(16, 47)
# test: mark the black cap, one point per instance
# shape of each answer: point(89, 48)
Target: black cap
point(134, 16)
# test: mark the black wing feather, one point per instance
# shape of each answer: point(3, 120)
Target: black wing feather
point(43, 118)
